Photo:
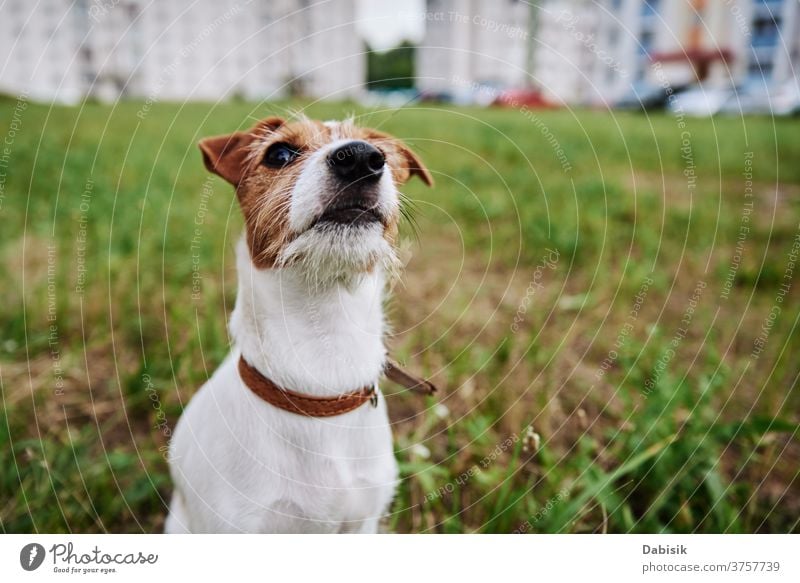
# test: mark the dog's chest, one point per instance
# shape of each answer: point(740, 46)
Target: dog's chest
point(339, 480)
point(254, 468)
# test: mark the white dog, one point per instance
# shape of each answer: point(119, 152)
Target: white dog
point(290, 434)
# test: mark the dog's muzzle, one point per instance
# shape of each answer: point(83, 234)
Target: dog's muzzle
point(357, 166)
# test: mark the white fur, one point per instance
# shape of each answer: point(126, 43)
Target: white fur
point(339, 254)
point(242, 465)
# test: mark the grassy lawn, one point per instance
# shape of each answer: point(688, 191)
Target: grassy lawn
point(603, 298)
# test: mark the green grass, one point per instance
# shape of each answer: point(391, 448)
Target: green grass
point(686, 431)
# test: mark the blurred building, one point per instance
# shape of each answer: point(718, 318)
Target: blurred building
point(593, 51)
point(721, 43)
point(209, 49)
point(563, 61)
point(469, 41)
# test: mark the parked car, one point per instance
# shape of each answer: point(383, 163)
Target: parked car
point(701, 101)
point(760, 98)
point(481, 94)
point(436, 96)
point(519, 97)
point(786, 100)
point(645, 96)
point(390, 97)
point(485, 93)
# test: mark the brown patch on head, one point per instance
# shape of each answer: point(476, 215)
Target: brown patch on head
point(264, 192)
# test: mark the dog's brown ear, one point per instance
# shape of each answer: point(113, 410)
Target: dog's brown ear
point(415, 165)
point(226, 155)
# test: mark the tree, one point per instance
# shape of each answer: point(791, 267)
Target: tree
point(392, 69)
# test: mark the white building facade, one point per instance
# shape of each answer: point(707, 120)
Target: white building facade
point(473, 41)
point(593, 51)
point(59, 50)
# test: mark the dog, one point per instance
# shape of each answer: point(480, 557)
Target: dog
point(291, 434)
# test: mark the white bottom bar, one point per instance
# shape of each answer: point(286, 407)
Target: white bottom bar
point(396, 558)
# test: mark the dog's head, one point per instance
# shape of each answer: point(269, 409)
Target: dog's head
point(320, 196)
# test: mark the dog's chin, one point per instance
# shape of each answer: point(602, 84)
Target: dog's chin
point(339, 252)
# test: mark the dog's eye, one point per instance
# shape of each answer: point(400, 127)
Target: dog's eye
point(279, 155)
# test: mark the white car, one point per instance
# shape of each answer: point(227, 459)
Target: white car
point(701, 101)
point(758, 98)
point(786, 99)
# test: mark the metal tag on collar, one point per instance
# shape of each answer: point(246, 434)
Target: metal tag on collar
point(373, 397)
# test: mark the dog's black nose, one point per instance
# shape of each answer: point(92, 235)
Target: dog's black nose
point(357, 161)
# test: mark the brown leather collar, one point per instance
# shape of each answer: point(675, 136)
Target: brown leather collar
point(324, 406)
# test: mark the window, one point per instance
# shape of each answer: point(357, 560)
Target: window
point(765, 30)
point(766, 26)
point(650, 8)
